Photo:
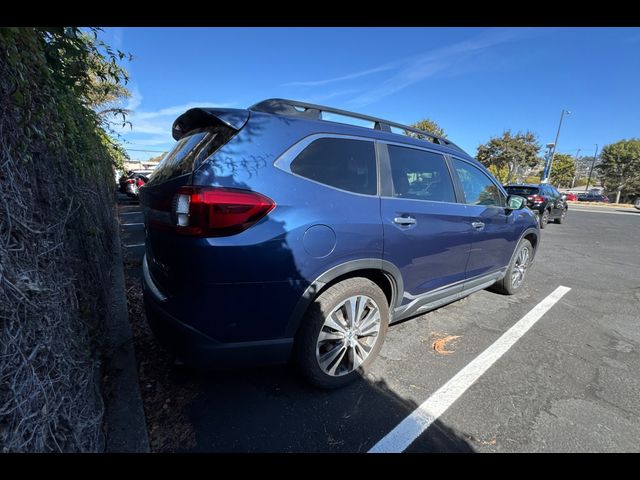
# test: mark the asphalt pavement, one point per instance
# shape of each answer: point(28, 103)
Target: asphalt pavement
point(569, 383)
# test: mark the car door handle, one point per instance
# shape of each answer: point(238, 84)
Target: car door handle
point(404, 220)
point(478, 225)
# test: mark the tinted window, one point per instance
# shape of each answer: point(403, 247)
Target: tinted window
point(339, 162)
point(189, 152)
point(478, 188)
point(420, 175)
point(522, 191)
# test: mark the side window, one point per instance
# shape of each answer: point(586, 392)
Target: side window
point(420, 175)
point(555, 192)
point(478, 188)
point(339, 162)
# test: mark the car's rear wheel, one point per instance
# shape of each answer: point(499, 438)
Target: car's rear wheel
point(544, 218)
point(517, 270)
point(341, 333)
point(562, 216)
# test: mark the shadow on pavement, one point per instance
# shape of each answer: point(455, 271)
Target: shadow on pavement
point(272, 410)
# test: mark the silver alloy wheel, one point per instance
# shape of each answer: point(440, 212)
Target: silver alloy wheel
point(545, 217)
point(520, 267)
point(348, 335)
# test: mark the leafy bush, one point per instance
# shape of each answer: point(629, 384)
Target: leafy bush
point(56, 230)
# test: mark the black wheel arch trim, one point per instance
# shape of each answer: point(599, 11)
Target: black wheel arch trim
point(387, 268)
point(527, 232)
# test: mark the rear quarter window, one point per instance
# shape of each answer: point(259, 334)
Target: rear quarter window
point(342, 163)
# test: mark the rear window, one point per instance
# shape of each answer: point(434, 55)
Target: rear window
point(521, 190)
point(189, 152)
point(339, 162)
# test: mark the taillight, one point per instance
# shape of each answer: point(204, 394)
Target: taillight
point(217, 212)
point(536, 198)
point(139, 182)
point(130, 180)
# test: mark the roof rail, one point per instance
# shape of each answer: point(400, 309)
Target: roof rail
point(281, 106)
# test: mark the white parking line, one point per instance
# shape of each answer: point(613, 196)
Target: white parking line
point(130, 224)
point(398, 439)
point(130, 213)
point(591, 210)
point(135, 245)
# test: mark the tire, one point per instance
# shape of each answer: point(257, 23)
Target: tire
point(637, 203)
point(544, 218)
point(309, 350)
point(561, 218)
point(506, 285)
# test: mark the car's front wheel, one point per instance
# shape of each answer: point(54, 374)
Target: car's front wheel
point(341, 333)
point(517, 270)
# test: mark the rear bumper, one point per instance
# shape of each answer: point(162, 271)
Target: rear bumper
point(198, 349)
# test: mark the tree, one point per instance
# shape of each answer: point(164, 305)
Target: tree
point(620, 167)
point(90, 71)
point(508, 153)
point(563, 170)
point(429, 126)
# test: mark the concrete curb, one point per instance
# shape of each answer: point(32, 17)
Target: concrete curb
point(125, 423)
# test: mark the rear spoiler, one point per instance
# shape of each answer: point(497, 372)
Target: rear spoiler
point(208, 117)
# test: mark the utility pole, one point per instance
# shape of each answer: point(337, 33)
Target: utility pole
point(555, 144)
point(575, 174)
point(586, 189)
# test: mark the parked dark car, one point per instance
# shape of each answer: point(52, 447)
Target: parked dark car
point(593, 197)
point(122, 181)
point(544, 199)
point(134, 179)
point(272, 234)
point(135, 182)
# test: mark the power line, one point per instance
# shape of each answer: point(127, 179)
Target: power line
point(137, 150)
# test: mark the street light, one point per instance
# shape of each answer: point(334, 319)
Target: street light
point(555, 144)
point(573, 181)
point(586, 189)
point(547, 157)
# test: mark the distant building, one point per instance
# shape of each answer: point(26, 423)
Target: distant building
point(141, 165)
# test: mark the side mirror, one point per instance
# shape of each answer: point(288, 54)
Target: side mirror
point(514, 202)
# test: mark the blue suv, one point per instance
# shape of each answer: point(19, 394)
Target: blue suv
point(280, 233)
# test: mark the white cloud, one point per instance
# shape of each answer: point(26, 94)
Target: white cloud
point(410, 70)
point(418, 68)
point(118, 34)
point(153, 128)
point(135, 100)
point(350, 76)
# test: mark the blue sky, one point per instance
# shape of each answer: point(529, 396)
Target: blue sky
point(475, 82)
